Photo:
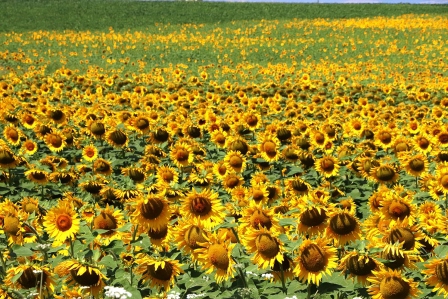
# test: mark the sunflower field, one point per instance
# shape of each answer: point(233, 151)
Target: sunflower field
point(280, 157)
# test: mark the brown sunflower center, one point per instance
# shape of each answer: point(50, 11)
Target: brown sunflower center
point(157, 234)
point(401, 147)
point(29, 146)
point(29, 279)
point(118, 137)
point(444, 181)
point(394, 288)
point(38, 175)
point(6, 157)
point(327, 165)
point(152, 209)
point(105, 221)
point(64, 222)
point(236, 161)
point(28, 119)
point(257, 195)
point(395, 260)
point(313, 217)
point(443, 138)
point(442, 271)
point(319, 138)
point(417, 165)
point(218, 256)
point(31, 207)
point(385, 173)
point(167, 176)
point(200, 206)
point(232, 182)
point(161, 273)
point(220, 138)
point(343, 224)
point(357, 126)
point(403, 235)
point(299, 186)
point(269, 147)
point(11, 225)
point(88, 278)
point(97, 128)
point(385, 137)
point(259, 218)
point(142, 124)
point(313, 259)
point(360, 266)
point(193, 236)
point(267, 245)
point(182, 155)
point(423, 143)
point(398, 209)
point(252, 120)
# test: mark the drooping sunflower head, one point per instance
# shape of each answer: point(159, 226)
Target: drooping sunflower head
point(117, 138)
point(387, 284)
point(384, 174)
point(37, 176)
point(343, 227)
point(29, 277)
point(359, 266)
point(160, 273)
point(86, 275)
point(437, 275)
point(7, 158)
point(266, 245)
point(151, 211)
point(269, 147)
point(181, 154)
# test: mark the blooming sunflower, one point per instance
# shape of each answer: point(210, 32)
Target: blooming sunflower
point(265, 245)
point(437, 275)
point(181, 154)
point(315, 259)
point(55, 141)
point(12, 135)
point(296, 186)
point(188, 234)
point(387, 284)
point(269, 147)
point(29, 147)
point(257, 216)
point(160, 273)
point(90, 153)
point(313, 218)
point(161, 238)
point(327, 166)
point(151, 211)
point(235, 160)
point(343, 227)
point(397, 208)
point(108, 220)
point(422, 143)
point(384, 174)
point(7, 158)
point(415, 165)
point(231, 180)
point(166, 175)
point(37, 176)
point(215, 254)
point(442, 177)
point(204, 205)
point(85, 275)
point(61, 222)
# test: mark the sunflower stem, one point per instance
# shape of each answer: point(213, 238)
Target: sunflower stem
point(308, 296)
point(416, 182)
point(41, 280)
point(72, 250)
point(3, 264)
point(282, 276)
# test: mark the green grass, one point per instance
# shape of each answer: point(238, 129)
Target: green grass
point(30, 15)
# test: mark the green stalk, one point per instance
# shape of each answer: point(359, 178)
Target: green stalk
point(282, 276)
point(308, 296)
point(3, 264)
point(72, 250)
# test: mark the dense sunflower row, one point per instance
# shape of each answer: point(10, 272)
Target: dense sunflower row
point(200, 167)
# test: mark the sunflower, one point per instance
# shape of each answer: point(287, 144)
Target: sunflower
point(296, 186)
point(328, 166)
point(57, 116)
point(231, 181)
point(422, 143)
point(55, 141)
point(108, 220)
point(397, 208)
point(160, 273)
point(188, 234)
point(204, 205)
point(28, 121)
point(256, 216)
point(269, 147)
point(166, 175)
point(136, 174)
point(29, 277)
point(117, 138)
point(219, 137)
point(37, 176)
point(160, 135)
point(12, 135)
point(442, 177)
point(384, 138)
point(343, 227)
point(61, 222)
point(317, 139)
point(437, 275)
point(151, 211)
point(387, 284)
point(416, 165)
point(265, 245)
point(86, 275)
point(90, 153)
point(359, 266)
point(102, 167)
point(7, 158)
point(181, 154)
point(29, 147)
point(315, 259)
point(96, 128)
point(403, 236)
point(235, 160)
point(384, 174)
point(215, 254)
point(161, 238)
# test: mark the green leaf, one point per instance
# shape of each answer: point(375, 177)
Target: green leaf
point(109, 262)
point(295, 287)
point(125, 228)
point(288, 222)
point(23, 251)
point(441, 250)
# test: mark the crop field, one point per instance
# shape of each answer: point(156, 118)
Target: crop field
point(223, 150)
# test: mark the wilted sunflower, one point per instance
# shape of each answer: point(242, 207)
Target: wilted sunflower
point(188, 234)
point(161, 238)
point(215, 254)
point(315, 259)
point(96, 128)
point(265, 245)
point(204, 205)
point(296, 186)
point(136, 174)
point(343, 227)
point(397, 208)
point(388, 284)
point(437, 275)
point(61, 222)
point(109, 220)
point(160, 273)
point(403, 236)
point(359, 266)
point(29, 277)
point(57, 116)
point(102, 167)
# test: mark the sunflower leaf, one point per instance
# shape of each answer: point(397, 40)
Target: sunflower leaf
point(125, 228)
point(295, 287)
point(109, 262)
point(23, 251)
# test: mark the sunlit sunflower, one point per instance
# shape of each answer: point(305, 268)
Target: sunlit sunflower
point(161, 238)
point(315, 259)
point(61, 222)
point(442, 177)
point(269, 147)
point(397, 208)
point(256, 215)
point(415, 165)
point(12, 135)
point(317, 139)
point(297, 186)
point(28, 121)
point(151, 211)
point(327, 166)
point(109, 220)
point(403, 236)
point(343, 227)
point(265, 245)
point(117, 138)
point(96, 128)
point(102, 167)
point(204, 205)
point(90, 153)
point(235, 160)
point(215, 254)
point(388, 284)
point(384, 137)
point(37, 176)
point(159, 273)
point(166, 175)
point(55, 141)
point(231, 180)
point(181, 154)
point(422, 143)
point(188, 234)
point(57, 116)
point(219, 137)
point(136, 174)
point(7, 158)
point(29, 277)
point(29, 147)
point(384, 174)
point(359, 266)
